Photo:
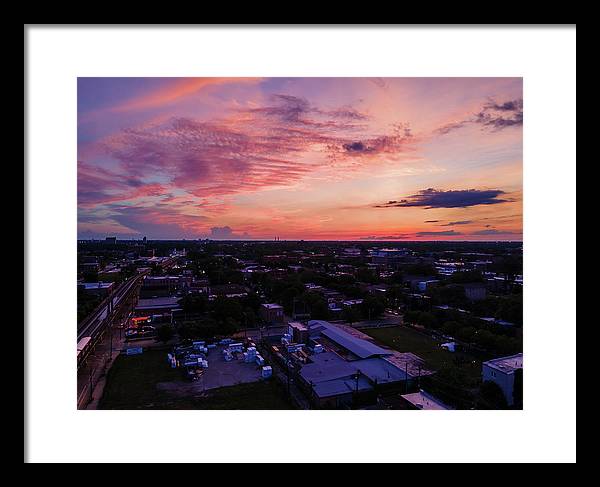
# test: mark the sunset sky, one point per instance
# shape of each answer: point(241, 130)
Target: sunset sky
point(300, 158)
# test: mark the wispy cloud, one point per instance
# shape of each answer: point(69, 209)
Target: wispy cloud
point(494, 231)
point(444, 233)
point(460, 222)
point(174, 91)
point(493, 115)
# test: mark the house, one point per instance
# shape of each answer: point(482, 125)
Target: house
point(503, 371)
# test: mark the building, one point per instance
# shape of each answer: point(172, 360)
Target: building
point(89, 263)
point(99, 288)
point(200, 285)
point(351, 252)
point(227, 291)
point(298, 331)
point(389, 257)
point(475, 291)
point(424, 401)
point(417, 283)
point(423, 286)
point(111, 240)
point(156, 306)
point(164, 285)
point(349, 367)
point(503, 371)
point(272, 313)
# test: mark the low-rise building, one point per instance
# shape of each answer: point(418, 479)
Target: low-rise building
point(503, 371)
point(426, 284)
point(162, 305)
point(99, 288)
point(298, 331)
point(424, 401)
point(389, 257)
point(227, 291)
point(350, 366)
point(475, 291)
point(272, 313)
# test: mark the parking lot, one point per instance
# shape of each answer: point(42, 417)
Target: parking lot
point(218, 374)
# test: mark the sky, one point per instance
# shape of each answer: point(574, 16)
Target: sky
point(370, 159)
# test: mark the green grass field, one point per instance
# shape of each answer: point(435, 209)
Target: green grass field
point(132, 380)
point(406, 339)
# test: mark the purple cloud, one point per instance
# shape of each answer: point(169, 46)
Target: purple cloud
point(434, 198)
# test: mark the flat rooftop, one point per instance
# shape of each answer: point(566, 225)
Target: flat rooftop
point(165, 302)
point(329, 372)
point(508, 365)
point(426, 402)
point(357, 345)
point(95, 285)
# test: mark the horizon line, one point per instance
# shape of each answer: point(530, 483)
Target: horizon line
point(292, 240)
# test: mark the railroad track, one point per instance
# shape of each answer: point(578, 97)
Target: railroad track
point(94, 324)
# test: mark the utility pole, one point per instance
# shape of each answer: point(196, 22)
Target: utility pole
point(287, 368)
point(109, 317)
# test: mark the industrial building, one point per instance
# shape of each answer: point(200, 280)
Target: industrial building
point(342, 365)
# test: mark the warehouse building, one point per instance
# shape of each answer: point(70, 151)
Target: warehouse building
point(350, 367)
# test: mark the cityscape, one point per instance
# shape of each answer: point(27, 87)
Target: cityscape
point(300, 243)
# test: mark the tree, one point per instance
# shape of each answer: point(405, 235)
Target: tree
point(463, 277)
point(491, 396)
point(350, 314)
point(427, 320)
point(372, 307)
point(467, 334)
point(90, 276)
point(518, 389)
point(165, 333)
point(194, 303)
point(451, 327)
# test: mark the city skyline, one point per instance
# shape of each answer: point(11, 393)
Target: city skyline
point(300, 158)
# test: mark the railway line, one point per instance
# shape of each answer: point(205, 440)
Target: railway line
point(92, 328)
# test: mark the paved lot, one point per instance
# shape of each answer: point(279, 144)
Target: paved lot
point(219, 374)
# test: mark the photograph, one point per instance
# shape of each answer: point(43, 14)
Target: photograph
point(300, 243)
point(294, 243)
